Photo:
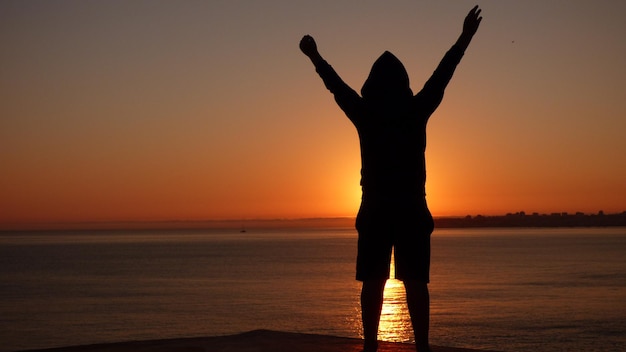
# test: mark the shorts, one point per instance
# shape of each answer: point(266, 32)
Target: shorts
point(405, 227)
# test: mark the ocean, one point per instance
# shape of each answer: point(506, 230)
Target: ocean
point(540, 289)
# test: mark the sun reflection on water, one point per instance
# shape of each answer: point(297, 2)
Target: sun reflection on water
point(395, 322)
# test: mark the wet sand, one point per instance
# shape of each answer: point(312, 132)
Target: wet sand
point(253, 341)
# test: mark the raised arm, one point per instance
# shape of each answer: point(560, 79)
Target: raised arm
point(347, 99)
point(309, 48)
point(434, 88)
point(470, 26)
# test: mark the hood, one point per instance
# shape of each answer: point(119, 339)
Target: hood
point(388, 80)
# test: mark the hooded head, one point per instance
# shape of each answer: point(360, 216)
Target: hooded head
point(387, 81)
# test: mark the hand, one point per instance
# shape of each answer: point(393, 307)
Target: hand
point(472, 21)
point(308, 46)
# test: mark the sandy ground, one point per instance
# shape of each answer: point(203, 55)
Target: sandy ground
point(253, 341)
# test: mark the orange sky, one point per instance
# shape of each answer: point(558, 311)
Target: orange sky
point(157, 110)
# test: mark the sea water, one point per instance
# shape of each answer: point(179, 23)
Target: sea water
point(501, 289)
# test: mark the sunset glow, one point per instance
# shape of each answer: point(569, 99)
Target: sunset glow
point(156, 110)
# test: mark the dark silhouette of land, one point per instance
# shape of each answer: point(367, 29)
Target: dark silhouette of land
point(521, 219)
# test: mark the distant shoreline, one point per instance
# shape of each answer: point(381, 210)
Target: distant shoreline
point(522, 219)
point(519, 219)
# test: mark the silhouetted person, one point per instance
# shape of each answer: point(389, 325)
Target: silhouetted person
point(391, 123)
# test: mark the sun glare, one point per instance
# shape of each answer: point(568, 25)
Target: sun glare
point(345, 194)
point(353, 196)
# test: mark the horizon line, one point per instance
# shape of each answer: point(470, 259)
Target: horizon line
point(233, 222)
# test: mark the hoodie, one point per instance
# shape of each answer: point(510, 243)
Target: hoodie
point(391, 123)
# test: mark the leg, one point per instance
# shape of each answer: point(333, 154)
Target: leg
point(418, 301)
point(371, 306)
point(413, 268)
point(372, 266)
